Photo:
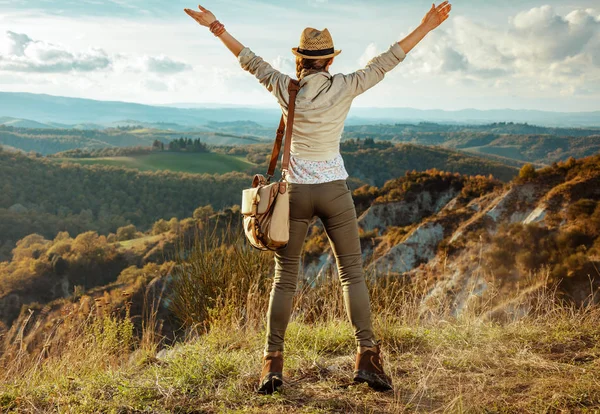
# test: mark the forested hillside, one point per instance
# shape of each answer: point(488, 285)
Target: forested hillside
point(499, 128)
point(374, 162)
point(521, 142)
point(41, 196)
point(377, 162)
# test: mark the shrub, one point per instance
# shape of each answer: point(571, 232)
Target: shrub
point(527, 173)
point(581, 209)
point(126, 232)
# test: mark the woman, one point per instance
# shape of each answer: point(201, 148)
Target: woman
point(317, 180)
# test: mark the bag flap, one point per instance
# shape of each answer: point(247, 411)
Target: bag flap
point(267, 195)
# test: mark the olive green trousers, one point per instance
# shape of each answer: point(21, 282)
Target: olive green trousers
point(332, 203)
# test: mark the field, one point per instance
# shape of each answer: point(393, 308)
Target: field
point(197, 163)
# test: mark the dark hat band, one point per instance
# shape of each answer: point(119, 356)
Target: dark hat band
point(321, 52)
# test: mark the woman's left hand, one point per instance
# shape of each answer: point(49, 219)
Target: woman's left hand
point(436, 15)
point(203, 17)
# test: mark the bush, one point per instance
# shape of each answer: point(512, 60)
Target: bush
point(160, 227)
point(581, 209)
point(126, 232)
point(527, 173)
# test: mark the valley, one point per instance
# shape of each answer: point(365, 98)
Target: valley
point(138, 224)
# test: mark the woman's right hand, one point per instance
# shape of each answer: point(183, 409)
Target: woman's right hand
point(203, 17)
point(436, 15)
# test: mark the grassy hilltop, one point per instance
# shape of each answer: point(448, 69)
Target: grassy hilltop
point(98, 359)
point(204, 163)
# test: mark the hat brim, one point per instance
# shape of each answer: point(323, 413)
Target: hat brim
point(295, 52)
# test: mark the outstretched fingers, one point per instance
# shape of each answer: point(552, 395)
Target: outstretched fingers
point(445, 9)
point(441, 5)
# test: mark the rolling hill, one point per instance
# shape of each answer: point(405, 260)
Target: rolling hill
point(209, 163)
point(64, 110)
point(50, 141)
point(41, 195)
point(517, 142)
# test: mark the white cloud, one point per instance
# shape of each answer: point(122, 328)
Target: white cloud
point(538, 50)
point(284, 64)
point(370, 52)
point(23, 54)
point(164, 64)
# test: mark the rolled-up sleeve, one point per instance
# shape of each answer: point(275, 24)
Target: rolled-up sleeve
point(363, 79)
point(275, 81)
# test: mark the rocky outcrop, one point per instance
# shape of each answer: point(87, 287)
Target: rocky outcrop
point(419, 247)
point(536, 216)
point(514, 205)
point(405, 212)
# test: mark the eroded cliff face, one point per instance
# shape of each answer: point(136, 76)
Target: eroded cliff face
point(419, 247)
point(445, 239)
point(403, 213)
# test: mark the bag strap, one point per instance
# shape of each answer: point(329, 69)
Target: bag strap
point(293, 88)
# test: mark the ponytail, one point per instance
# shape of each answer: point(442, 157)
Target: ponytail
point(305, 67)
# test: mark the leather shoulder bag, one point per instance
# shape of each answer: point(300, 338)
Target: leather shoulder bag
point(266, 205)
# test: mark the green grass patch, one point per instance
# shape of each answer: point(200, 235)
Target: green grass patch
point(139, 242)
point(196, 163)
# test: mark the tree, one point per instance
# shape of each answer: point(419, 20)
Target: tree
point(160, 227)
point(158, 145)
point(174, 225)
point(527, 173)
point(126, 232)
point(86, 243)
point(202, 213)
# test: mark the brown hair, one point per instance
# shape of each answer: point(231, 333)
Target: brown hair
point(305, 67)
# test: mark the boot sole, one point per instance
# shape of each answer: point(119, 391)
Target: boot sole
point(271, 383)
point(373, 380)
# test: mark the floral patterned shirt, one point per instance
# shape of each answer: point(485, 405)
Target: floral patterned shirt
point(303, 171)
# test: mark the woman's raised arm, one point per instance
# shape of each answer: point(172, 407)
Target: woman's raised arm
point(205, 18)
point(375, 70)
point(275, 81)
point(434, 17)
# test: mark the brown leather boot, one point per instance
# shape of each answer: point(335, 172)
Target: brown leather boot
point(271, 377)
point(369, 369)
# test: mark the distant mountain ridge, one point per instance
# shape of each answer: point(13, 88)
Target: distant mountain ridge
point(56, 109)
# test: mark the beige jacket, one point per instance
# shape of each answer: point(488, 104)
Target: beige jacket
point(323, 101)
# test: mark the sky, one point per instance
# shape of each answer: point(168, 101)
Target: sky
point(488, 55)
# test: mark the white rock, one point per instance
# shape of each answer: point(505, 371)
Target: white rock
point(420, 245)
point(536, 215)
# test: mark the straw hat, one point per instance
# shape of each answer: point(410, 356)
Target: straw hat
point(315, 44)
